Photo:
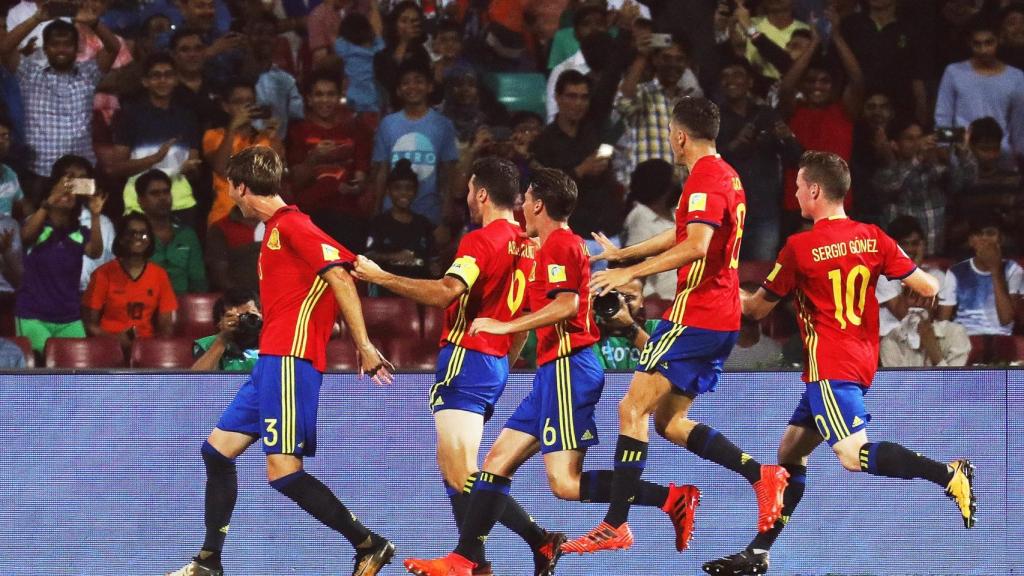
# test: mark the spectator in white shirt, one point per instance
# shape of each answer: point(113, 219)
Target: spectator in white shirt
point(915, 331)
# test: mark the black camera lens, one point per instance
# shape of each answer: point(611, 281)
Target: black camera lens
point(247, 333)
point(608, 305)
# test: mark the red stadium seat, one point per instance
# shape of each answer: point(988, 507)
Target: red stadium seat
point(173, 352)
point(979, 350)
point(26, 349)
point(1006, 349)
point(411, 354)
point(391, 317)
point(433, 323)
point(341, 355)
point(195, 314)
point(655, 307)
point(94, 352)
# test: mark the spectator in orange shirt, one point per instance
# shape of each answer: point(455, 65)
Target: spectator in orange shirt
point(248, 126)
point(130, 297)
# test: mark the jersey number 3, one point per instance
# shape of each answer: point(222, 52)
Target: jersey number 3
point(849, 298)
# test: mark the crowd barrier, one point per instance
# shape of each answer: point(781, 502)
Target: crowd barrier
point(102, 475)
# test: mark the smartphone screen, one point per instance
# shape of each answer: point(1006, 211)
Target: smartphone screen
point(83, 186)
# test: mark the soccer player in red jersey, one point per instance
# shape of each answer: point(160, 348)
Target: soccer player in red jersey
point(557, 417)
point(833, 269)
point(303, 283)
point(487, 279)
point(684, 355)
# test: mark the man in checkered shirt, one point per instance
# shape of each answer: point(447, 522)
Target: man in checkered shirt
point(58, 93)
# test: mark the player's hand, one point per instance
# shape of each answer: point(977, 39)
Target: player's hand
point(367, 270)
point(609, 251)
point(605, 281)
point(488, 326)
point(373, 364)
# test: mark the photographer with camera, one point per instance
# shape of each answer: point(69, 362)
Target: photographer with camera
point(235, 347)
point(624, 327)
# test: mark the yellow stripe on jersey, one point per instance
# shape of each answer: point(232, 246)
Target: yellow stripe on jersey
point(454, 367)
point(563, 384)
point(305, 312)
point(459, 327)
point(564, 343)
point(810, 338)
point(693, 278)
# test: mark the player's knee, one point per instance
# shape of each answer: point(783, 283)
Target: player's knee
point(849, 460)
point(628, 410)
point(564, 488)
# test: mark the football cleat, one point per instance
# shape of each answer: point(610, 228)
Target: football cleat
point(746, 563)
point(680, 506)
point(546, 556)
point(451, 565)
point(769, 490)
point(194, 568)
point(604, 537)
point(960, 490)
point(368, 562)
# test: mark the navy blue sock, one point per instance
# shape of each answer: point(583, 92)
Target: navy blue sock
point(312, 496)
point(459, 501)
point(630, 460)
point(596, 486)
point(894, 461)
point(221, 495)
point(487, 503)
point(712, 445)
point(790, 499)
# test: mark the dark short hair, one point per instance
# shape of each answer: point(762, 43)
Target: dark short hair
point(324, 75)
point(448, 25)
point(59, 28)
point(66, 161)
point(155, 59)
point(413, 66)
point(698, 117)
point(652, 179)
point(743, 63)
point(524, 115)
point(981, 23)
point(980, 219)
point(802, 33)
point(904, 227)
point(235, 84)
point(149, 177)
point(570, 78)
point(402, 172)
point(355, 28)
point(499, 177)
point(233, 297)
point(986, 129)
point(557, 190)
point(259, 168)
point(899, 125)
point(587, 10)
point(827, 170)
point(182, 33)
point(122, 231)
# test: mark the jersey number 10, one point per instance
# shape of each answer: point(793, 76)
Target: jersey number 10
point(846, 308)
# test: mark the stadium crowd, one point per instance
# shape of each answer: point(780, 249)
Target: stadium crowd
point(118, 118)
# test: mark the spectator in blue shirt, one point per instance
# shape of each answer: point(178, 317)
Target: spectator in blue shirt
point(359, 40)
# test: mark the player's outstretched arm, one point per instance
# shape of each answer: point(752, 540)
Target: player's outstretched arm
point(923, 283)
point(438, 293)
point(757, 305)
point(653, 245)
point(693, 248)
point(371, 361)
point(564, 306)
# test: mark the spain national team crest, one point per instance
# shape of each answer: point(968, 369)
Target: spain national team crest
point(274, 242)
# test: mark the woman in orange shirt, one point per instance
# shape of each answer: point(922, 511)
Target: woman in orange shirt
point(130, 297)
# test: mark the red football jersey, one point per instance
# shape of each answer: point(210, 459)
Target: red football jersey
point(834, 268)
point(563, 266)
point(494, 263)
point(298, 307)
point(707, 290)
